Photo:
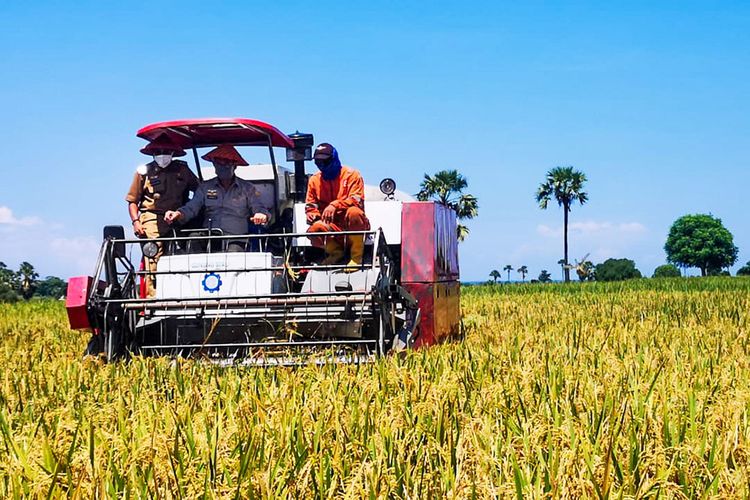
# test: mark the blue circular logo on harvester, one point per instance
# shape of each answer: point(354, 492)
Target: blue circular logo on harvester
point(211, 282)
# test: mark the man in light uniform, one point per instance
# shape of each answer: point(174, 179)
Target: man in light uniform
point(336, 202)
point(157, 187)
point(230, 202)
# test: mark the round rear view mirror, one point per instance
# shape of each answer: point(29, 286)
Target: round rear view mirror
point(387, 186)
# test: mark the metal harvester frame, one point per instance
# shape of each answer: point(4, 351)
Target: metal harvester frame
point(362, 315)
point(273, 304)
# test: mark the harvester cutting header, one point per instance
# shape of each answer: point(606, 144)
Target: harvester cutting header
point(265, 264)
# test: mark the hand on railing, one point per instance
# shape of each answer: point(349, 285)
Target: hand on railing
point(172, 216)
point(259, 219)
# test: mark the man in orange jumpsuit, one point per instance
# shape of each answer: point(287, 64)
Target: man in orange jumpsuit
point(335, 202)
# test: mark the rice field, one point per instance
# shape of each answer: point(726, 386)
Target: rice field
point(639, 389)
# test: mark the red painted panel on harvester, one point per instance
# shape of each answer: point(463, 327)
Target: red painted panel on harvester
point(447, 310)
point(429, 246)
point(440, 311)
point(75, 302)
point(429, 268)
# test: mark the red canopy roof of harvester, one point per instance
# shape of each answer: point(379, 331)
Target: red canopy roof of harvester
point(205, 132)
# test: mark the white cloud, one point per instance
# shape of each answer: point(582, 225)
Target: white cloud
point(597, 240)
point(7, 217)
point(594, 228)
point(75, 246)
point(79, 252)
point(48, 246)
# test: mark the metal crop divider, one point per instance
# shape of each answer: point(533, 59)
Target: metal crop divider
point(118, 283)
point(380, 295)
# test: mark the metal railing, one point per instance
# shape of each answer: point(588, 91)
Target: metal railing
point(117, 296)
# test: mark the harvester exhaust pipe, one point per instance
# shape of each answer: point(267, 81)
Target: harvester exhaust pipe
point(301, 152)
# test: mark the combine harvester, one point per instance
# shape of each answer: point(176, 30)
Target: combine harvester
point(274, 304)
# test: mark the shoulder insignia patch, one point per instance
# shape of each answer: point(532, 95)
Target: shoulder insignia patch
point(142, 169)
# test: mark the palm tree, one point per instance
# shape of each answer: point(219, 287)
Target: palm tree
point(447, 187)
point(27, 277)
point(544, 276)
point(508, 268)
point(495, 275)
point(523, 270)
point(565, 185)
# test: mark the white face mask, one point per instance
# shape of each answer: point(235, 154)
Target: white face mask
point(163, 160)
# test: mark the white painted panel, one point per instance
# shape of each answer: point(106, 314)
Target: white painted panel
point(213, 280)
point(382, 214)
point(326, 281)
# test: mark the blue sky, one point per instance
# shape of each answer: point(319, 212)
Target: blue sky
point(650, 99)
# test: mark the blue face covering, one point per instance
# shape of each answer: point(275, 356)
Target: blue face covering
point(332, 169)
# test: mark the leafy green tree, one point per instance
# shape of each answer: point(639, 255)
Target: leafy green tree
point(8, 284)
point(495, 274)
point(51, 286)
point(564, 185)
point(8, 294)
point(667, 271)
point(27, 279)
point(523, 271)
point(544, 276)
point(616, 270)
point(700, 241)
point(508, 268)
point(447, 187)
point(586, 271)
point(7, 276)
point(744, 270)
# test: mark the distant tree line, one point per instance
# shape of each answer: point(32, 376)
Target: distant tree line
point(694, 241)
point(25, 284)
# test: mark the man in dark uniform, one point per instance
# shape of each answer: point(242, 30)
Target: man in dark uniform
point(157, 187)
point(229, 202)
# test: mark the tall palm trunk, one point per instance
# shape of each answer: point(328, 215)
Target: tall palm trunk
point(566, 209)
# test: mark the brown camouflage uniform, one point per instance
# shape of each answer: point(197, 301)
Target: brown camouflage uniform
point(156, 190)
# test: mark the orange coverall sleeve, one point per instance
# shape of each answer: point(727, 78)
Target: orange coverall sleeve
point(312, 201)
point(355, 195)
